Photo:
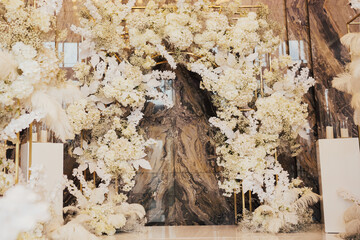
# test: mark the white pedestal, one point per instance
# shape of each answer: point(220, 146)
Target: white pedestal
point(339, 168)
point(50, 157)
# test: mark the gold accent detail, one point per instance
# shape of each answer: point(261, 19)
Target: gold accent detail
point(30, 148)
point(351, 22)
point(261, 79)
point(309, 36)
point(81, 145)
point(246, 109)
point(251, 6)
point(250, 203)
point(158, 63)
point(116, 185)
point(287, 43)
point(17, 157)
point(235, 207)
point(243, 200)
point(276, 176)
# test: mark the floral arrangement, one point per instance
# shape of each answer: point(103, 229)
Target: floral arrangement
point(114, 92)
point(354, 4)
point(259, 109)
point(33, 86)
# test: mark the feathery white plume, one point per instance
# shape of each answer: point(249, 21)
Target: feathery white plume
point(55, 118)
point(67, 93)
point(8, 66)
point(306, 200)
point(342, 82)
point(352, 41)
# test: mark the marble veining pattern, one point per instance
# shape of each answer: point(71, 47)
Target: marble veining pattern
point(182, 188)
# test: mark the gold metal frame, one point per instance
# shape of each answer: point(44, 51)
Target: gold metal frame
point(17, 157)
point(30, 148)
point(351, 22)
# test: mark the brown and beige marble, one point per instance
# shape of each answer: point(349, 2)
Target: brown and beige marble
point(182, 189)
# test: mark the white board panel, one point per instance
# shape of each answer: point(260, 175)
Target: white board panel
point(339, 168)
point(50, 157)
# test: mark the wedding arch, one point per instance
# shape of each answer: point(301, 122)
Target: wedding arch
point(257, 95)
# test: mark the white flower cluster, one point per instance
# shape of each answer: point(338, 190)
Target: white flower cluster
point(227, 57)
point(355, 4)
point(30, 77)
point(19, 124)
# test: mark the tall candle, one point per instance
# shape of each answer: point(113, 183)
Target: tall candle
point(329, 132)
point(34, 137)
point(43, 136)
point(344, 132)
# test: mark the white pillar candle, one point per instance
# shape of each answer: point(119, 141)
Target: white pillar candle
point(43, 136)
point(329, 132)
point(34, 137)
point(344, 132)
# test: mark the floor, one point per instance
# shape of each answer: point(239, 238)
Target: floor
point(215, 233)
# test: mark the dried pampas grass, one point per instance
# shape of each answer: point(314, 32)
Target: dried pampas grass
point(8, 66)
point(342, 82)
point(352, 41)
point(349, 81)
point(306, 200)
point(56, 118)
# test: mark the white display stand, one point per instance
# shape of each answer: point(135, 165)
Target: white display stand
point(48, 156)
point(339, 168)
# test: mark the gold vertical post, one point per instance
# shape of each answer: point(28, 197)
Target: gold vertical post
point(309, 35)
point(243, 200)
point(17, 158)
point(276, 176)
point(116, 185)
point(250, 203)
point(30, 148)
point(235, 206)
point(287, 43)
point(81, 145)
point(94, 177)
point(261, 80)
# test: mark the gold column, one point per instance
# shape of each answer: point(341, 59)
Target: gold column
point(30, 149)
point(276, 176)
point(235, 207)
point(116, 185)
point(17, 157)
point(250, 203)
point(309, 36)
point(81, 145)
point(287, 43)
point(243, 200)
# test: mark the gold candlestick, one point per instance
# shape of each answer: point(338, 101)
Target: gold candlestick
point(250, 203)
point(17, 157)
point(243, 200)
point(30, 148)
point(235, 207)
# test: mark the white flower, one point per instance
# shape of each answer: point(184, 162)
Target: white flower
point(22, 51)
point(20, 210)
